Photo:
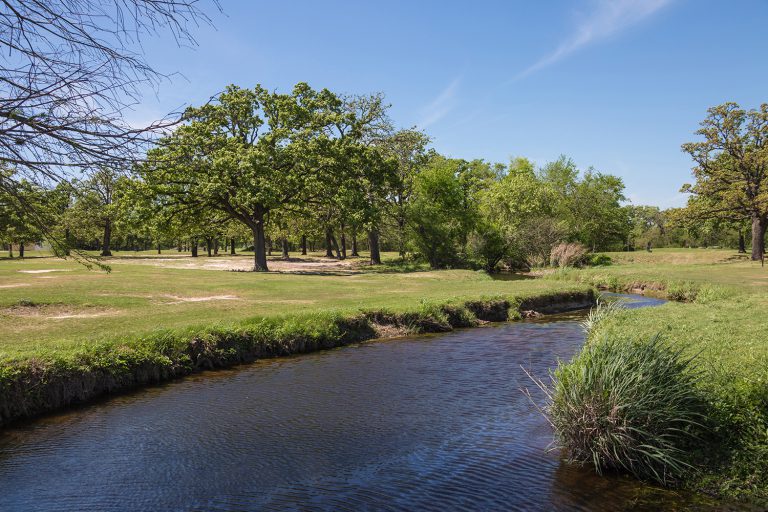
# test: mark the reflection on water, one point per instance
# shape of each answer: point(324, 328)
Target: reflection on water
point(433, 423)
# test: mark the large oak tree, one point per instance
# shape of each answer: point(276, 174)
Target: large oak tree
point(252, 152)
point(732, 169)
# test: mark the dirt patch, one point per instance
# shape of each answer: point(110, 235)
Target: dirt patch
point(243, 264)
point(44, 271)
point(390, 331)
point(17, 285)
point(56, 311)
point(179, 300)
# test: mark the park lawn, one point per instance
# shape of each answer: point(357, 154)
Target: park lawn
point(50, 306)
point(724, 324)
point(658, 269)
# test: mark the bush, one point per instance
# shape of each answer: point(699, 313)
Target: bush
point(570, 254)
point(685, 291)
point(599, 260)
point(629, 406)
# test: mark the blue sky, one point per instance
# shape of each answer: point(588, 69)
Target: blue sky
point(617, 85)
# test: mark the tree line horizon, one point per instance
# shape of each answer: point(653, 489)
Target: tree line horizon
point(265, 169)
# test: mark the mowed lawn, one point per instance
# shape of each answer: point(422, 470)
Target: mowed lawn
point(48, 304)
point(722, 267)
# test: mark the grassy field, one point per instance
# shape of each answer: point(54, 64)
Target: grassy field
point(71, 334)
point(723, 324)
point(52, 305)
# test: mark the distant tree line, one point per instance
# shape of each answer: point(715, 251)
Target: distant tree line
point(312, 170)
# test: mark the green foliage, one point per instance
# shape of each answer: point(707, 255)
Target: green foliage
point(439, 217)
point(630, 406)
point(732, 169)
point(598, 260)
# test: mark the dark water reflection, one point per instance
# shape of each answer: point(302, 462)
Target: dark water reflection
point(435, 423)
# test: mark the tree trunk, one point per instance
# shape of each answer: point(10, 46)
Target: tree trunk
point(21, 249)
point(158, 249)
point(10, 250)
point(66, 242)
point(328, 243)
point(303, 245)
point(107, 238)
point(284, 243)
point(216, 246)
point(742, 243)
point(373, 243)
point(335, 246)
point(758, 236)
point(343, 254)
point(193, 246)
point(179, 247)
point(259, 247)
point(268, 242)
point(208, 246)
point(232, 250)
point(354, 244)
point(401, 241)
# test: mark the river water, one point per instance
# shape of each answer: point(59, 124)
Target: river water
point(426, 423)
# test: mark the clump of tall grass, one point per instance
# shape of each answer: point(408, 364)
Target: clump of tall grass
point(567, 254)
point(629, 406)
point(602, 310)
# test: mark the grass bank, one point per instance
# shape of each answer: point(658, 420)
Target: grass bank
point(718, 321)
point(71, 335)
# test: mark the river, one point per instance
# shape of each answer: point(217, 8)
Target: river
point(424, 423)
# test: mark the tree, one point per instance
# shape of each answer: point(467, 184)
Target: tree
point(731, 169)
point(408, 151)
point(17, 210)
point(519, 204)
point(437, 217)
point(590, 205)
point(251, 152)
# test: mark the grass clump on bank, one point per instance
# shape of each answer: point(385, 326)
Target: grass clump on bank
point(632, 407)
point(717, 317)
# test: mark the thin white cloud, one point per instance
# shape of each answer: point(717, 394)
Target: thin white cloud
point(440, 106)
point(609, 17)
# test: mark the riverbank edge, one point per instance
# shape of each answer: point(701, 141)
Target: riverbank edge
point(722, 479)
point(32, 387)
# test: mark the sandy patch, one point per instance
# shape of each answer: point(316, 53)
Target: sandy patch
point(44, 271)
point(56, 311)
point(180, 300)
point(243, 264)
point(17, 285)
point(80, 315)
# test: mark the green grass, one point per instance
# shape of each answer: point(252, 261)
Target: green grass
point(723, 324)
point(136, 299)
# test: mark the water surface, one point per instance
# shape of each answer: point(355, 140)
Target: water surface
point(429, 423)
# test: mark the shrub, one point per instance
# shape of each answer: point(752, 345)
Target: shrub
point(570, 254)
point(599, 260)
point(629, 406)
point(685, 291)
